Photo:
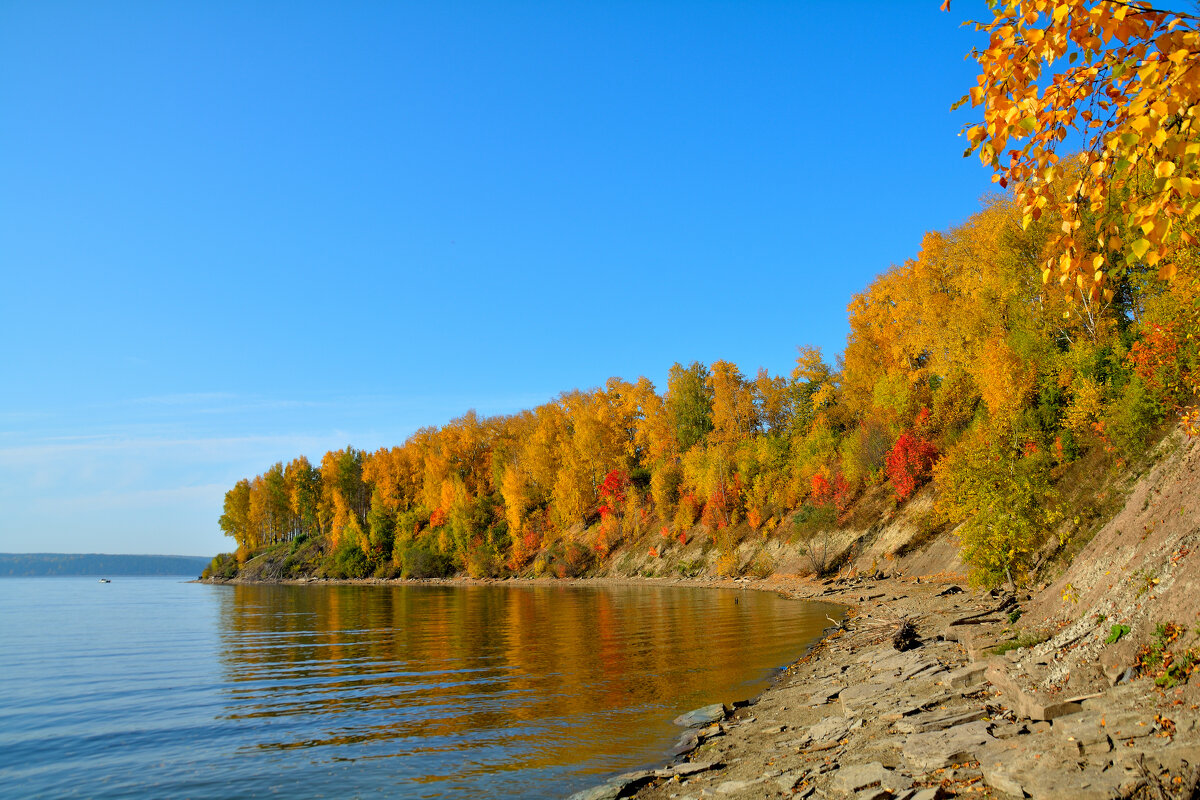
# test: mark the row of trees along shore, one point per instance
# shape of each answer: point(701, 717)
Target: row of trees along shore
point(1058, 323)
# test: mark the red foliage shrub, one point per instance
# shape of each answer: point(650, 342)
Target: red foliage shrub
point(722, 504)
point(837, 492)
point(528, 543)
point(714, 510)
point(609, 535)
point(821, 492)
point(909, 464)
point(1155, 358)
point(612, 491)
point(843, 493)
point(754, 519)
point(438, 518)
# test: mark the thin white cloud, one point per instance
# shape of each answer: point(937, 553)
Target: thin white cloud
point(138, 499)
point(183, 398)
point(56, 447)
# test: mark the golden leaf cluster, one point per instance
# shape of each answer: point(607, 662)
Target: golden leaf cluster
point(1118, 79)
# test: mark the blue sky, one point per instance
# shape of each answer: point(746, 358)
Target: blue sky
point(231, 233)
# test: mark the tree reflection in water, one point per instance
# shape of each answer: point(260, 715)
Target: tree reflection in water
point(534, 689)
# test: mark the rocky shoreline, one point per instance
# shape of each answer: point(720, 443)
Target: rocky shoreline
point(858, 717)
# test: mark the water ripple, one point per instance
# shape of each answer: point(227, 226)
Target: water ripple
point(152, 688)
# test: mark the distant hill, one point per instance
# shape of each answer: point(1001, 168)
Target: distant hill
point(14, 565)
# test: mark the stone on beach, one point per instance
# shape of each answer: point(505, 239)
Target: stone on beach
point(854, 779)
point(922, 725)
point(701, 716)
point(829, 729)
point(925, 752)
point(1039, 775)
point(615, 787)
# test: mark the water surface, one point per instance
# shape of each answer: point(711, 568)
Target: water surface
point(156, 688)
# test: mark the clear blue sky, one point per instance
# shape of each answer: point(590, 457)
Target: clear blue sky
point(231, 233)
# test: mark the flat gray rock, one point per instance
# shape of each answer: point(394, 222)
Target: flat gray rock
point(830, 729)
point(934, 793)
point(733, 787)
point(615, 787)
point(686, 768)
point(1085, 731)
point(925, 752)
point(939, 721)
point(823, 696)
point(1051, 779)
point(1124, 726)
point(856, 698)
point(876, 793)
point(701, 716)
point(788, 781)
point(851, 780)
point(970, 675)
point(607, 791)
point(687, 743)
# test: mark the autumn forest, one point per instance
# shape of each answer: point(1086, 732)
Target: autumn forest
point(1050, 327)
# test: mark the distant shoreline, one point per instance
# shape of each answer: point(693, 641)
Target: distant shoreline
point(50, 565)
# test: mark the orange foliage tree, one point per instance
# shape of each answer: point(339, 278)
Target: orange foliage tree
point(1121, 79)
point(1129, 89)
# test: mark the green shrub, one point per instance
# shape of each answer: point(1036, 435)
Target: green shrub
point(348, 560)
point(762, 566)
point(421, 561)
point(810, 520)
point(1130, 418)
point(387, 571)
point(483, 563)
point(1006, 502)
point(664, 487)
point(864, 452)
point(223, 567)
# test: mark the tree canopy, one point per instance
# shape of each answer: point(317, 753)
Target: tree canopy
point(1089, 116)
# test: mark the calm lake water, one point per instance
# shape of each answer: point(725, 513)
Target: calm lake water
point(152, 687)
